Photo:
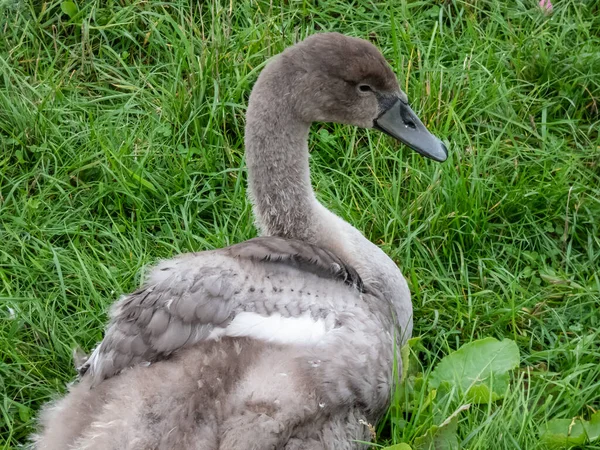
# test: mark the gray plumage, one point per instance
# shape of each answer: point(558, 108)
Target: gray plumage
point(286, 341)
point(185, 298)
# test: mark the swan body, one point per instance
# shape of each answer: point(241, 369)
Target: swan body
point(286, 341)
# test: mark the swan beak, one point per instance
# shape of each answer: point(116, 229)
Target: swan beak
point(401, 122)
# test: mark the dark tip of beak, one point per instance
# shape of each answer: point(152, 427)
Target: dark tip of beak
point(400, 122)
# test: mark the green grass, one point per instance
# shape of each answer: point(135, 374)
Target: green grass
point(121, 142)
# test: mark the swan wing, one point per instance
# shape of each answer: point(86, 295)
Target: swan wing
point(198, 296)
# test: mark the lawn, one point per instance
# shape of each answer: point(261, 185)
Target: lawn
point(121, 142)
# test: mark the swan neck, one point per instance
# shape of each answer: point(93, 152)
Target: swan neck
point(278, 169)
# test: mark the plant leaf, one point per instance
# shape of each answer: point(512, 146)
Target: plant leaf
point(592, 428)
point(69, 8)
point(401, 446)
point(441, 437)
point(566, 433)
point(24, 412)
point(479, 369)
point(405, 354)
point(563, 433)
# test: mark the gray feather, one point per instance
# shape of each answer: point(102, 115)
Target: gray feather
point(298, 254)
point(209, 291)
point(159, 322)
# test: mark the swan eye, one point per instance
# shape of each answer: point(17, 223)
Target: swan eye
point(364, 88)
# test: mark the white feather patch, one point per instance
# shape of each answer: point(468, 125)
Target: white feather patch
point(94, 360)
point(274, 328)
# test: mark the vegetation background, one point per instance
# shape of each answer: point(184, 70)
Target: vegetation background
point(121, 142)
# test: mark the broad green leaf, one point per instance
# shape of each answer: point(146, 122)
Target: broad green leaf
point(430, 398)
point(439, 437)
point(69, 8)
point(407, 392)
point(401, 446)
point(592, 428)
point(479, 369)
point(563, 433)
point(442, 437)
point(25, 413)
point(566, 433)
point(480, 393)
point(405, 354)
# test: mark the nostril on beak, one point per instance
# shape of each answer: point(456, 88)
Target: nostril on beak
point(409, 123)
point(407, 119)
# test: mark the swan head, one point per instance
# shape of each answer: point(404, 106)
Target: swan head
point(336, 78)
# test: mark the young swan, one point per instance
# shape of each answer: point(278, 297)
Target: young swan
point(286, 341)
